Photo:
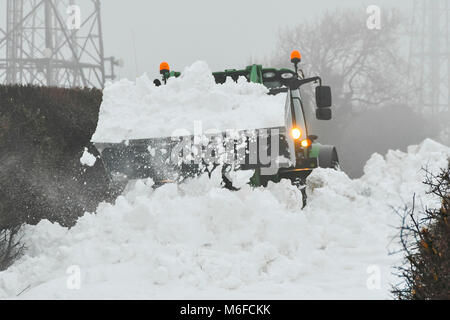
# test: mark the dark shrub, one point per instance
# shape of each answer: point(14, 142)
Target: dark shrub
point(43, 132)
point(426, 243)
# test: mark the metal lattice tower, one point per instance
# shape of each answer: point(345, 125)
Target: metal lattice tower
point(429, 71)
point(39, 46)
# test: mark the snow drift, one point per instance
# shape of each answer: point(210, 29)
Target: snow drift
point(139, 110)
point(197, 240)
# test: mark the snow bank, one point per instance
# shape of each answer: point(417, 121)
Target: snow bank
point(197, 240)
point(134, 110)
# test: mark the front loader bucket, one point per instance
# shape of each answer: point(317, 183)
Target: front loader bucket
point(177, 158)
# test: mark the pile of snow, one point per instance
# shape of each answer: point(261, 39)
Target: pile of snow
point(197, 240)
point(138, 110)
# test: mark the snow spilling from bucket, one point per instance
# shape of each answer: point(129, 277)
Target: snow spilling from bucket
point(87, 159)
point(139, 110)
point(197, 240)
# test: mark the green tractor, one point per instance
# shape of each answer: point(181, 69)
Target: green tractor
point(285, 152)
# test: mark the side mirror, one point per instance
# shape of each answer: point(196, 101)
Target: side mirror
point(323, 96)
point(323, 114)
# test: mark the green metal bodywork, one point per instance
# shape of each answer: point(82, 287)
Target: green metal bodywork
point(314, 150)
point(253, 73)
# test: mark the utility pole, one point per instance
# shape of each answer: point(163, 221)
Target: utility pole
point(429, 55)
point(54, 43)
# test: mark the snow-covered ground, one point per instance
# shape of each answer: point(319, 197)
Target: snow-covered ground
point(137, 110)
point(197, 240)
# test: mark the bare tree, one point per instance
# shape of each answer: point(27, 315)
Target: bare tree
point(363, 66)
point(424, 236)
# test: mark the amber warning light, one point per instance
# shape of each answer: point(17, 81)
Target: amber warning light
point(164, 67)
point(296, 57)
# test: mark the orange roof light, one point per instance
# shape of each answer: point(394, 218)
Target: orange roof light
point(164, 67)
point(296, 57)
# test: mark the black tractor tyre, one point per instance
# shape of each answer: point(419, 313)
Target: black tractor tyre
point(328, 157)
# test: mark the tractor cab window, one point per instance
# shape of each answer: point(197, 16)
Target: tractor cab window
point(297, 104)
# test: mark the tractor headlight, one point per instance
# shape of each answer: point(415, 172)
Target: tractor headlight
point(296, 133)
point(305, 143)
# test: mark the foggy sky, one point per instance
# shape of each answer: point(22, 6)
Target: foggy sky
point(226, 34)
